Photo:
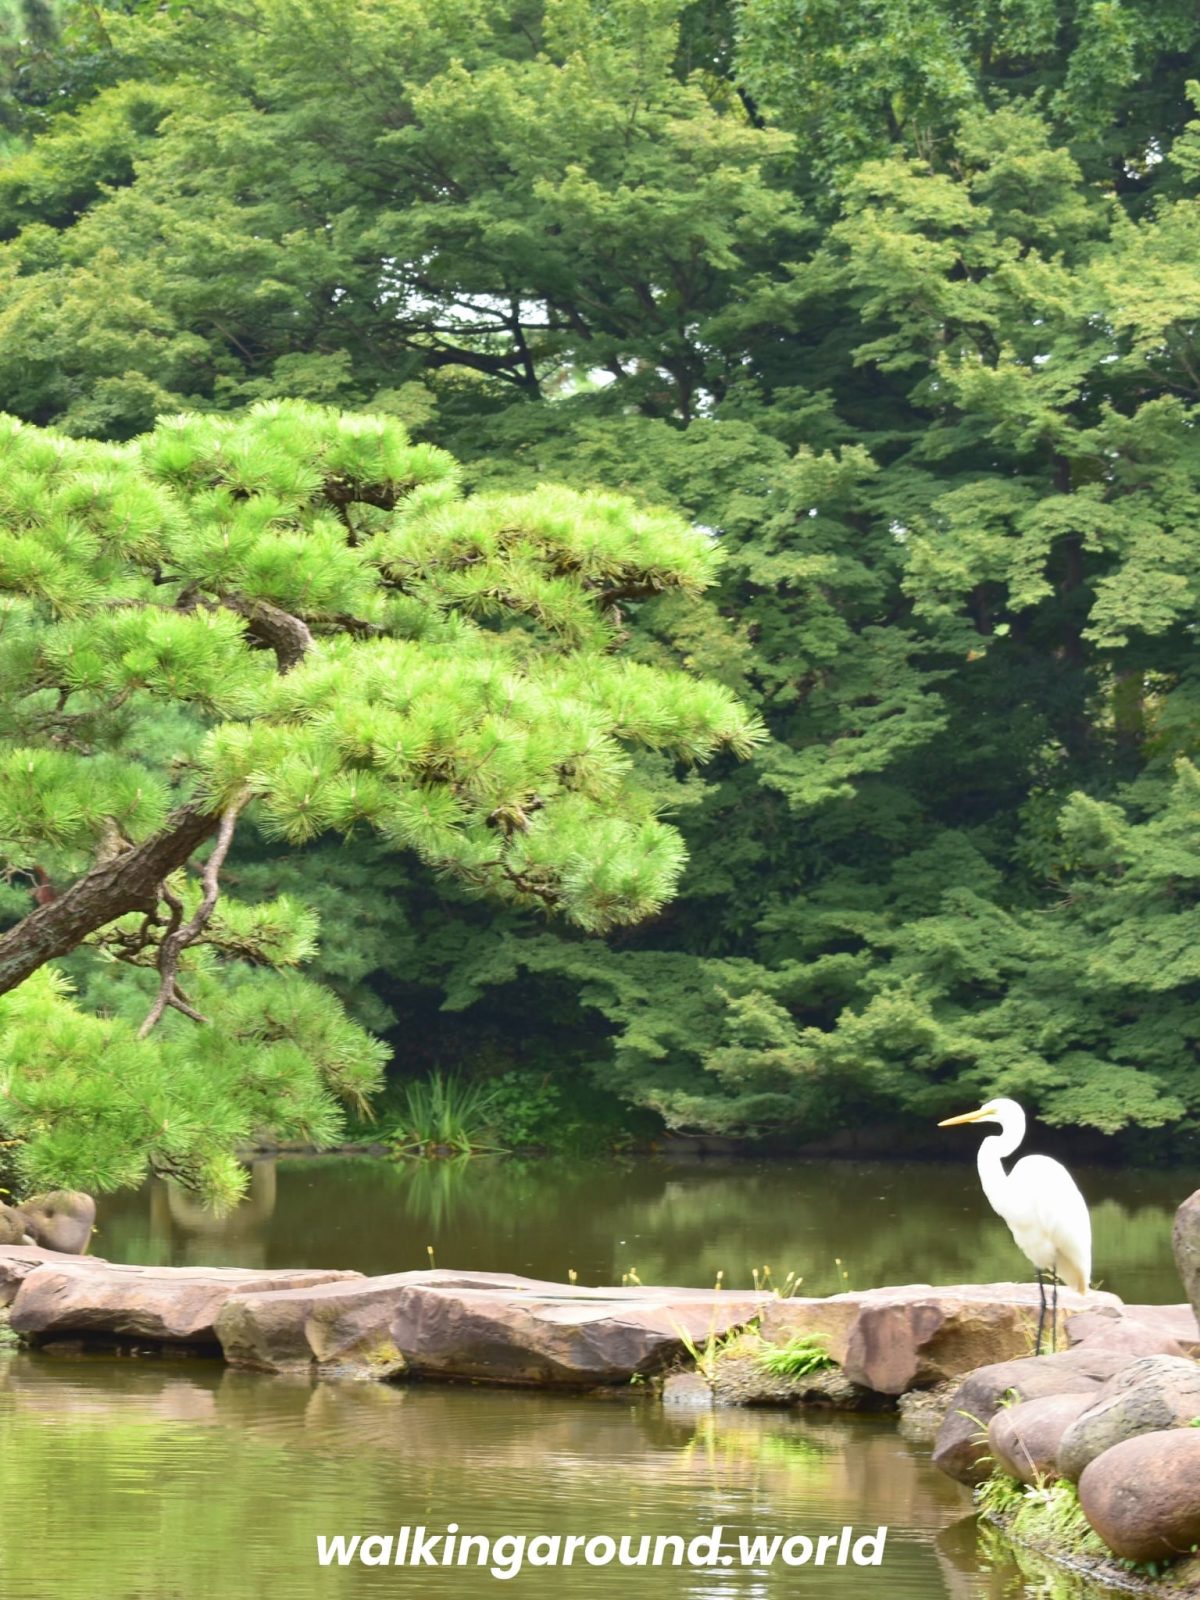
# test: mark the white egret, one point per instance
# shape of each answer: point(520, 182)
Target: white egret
point(1045, 1212)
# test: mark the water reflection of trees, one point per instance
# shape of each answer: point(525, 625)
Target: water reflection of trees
point(889, 1223)
point(172, 1479)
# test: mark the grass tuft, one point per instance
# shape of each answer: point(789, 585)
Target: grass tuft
point(802, 1354)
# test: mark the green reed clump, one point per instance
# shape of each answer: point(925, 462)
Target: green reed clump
point(442, 1115)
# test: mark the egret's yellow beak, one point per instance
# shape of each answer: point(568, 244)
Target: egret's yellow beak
point(967, 1116)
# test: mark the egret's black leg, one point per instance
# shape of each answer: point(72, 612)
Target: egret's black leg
point(1054, 1315)
point(1037, 1349)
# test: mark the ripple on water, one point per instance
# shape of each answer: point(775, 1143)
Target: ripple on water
point(162, 1480)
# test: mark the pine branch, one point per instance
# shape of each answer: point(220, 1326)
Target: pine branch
point(286, 634)
point(129, 881)
point(177, 939)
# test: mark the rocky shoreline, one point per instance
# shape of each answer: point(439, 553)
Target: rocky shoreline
point(1091, 1456)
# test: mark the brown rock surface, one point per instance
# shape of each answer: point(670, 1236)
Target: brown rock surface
point(1149, 1395)
point(18, 1261)
point(900, 1341)
point(70, 1295)
point(1024, 1438)
point(490, 1326)
point(339, 1329)
point(961, 1449)
point(13, 1228)
point(62, 1220)
point(1185, 1238)
point(1137, 1330)
point(1178, 1321)
point(1143, 1496)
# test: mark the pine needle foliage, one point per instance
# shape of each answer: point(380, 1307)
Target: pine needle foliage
point(297, 614)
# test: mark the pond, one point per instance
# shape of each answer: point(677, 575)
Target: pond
point(835, 1225)
point(181, 1480)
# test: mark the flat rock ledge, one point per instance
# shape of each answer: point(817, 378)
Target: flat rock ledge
point(61, 1297)
point(487, 1327)
point(503, 1329)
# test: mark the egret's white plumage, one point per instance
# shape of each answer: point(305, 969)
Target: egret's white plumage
point(1045, 1212)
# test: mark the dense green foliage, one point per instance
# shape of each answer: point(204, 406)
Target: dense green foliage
point(900, 300)
point(298, 614)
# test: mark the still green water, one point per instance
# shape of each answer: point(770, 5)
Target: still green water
point(131, 1480)
point(836, 1225)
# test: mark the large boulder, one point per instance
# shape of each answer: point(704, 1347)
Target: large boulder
point(1137, 1330)
point(62, 1220)
point(1150, 1394)
point(1024, 1438)
point(1185, 1238)
point(961, 1449)
point(489, 1326)
point(917, 1336)
point(1143, 1496)
point(1178, 1321)
point(172, 1304)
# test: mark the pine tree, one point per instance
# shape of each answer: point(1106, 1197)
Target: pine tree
point(295, 615)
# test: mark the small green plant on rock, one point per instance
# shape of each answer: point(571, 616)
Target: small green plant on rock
point(705, 1356)
point(801, 1355)
point(1045, 1515)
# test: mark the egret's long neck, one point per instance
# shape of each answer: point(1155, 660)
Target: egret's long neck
point(990, 1161)
point(991, 1170)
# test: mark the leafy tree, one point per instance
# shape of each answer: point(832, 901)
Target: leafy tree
point(213, 229)
point(296, 614)
point(898, 301)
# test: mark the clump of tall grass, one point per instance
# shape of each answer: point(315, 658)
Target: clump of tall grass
point(442, 1115)
point(801, 1355)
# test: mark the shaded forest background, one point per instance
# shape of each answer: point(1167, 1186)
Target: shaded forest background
point(899, 299)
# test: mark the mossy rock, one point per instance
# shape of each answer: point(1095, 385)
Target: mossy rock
point(1053, 1542)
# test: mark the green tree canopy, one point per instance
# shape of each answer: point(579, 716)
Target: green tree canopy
point(897, 300)
point(297, 614)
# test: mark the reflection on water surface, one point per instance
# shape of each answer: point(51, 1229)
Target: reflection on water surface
point(180, 1480)
point(183, 1480)
point(886, 1223)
